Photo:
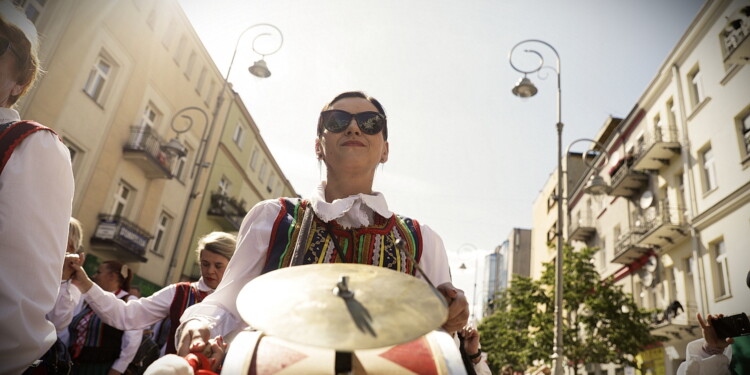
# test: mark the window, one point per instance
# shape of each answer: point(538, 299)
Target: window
point(76, 154)
point(708, 169)
point(721, 270)
point(179, 168)
point(201, 81)
point(263, 171)
point(190, 64)
point(254, 158)
point(671, 114)
point(151, 19)
point(224, 185)
point(552, 199)
point(552, 232)
point(210, 94)
point(239, 135)
point(672, 280)
point(271, 181)
point(180, 52)
point(32, 8)
point(743, 127)
point(696, 86)
point(98, 78)
point(689, 282)
point(603, 254)
point(160, 234)
point(122, 198)
point(658, 132)
point(168, 33)
point(150, 116)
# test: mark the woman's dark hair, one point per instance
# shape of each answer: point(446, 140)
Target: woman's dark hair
point(124, 273)
point(354, 94)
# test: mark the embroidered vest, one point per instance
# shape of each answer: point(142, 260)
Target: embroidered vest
point(374, 244)
point(11, 135)
point(185, 296)
point(102, 341)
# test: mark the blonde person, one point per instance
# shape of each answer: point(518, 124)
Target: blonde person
point(36, 194)
point(69, 295)
point(166, 305)
point(348, 219)
point(95, 347)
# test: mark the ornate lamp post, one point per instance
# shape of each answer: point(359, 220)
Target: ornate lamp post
point(524, 89)
point(258, 69)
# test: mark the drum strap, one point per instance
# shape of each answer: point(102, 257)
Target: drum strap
point(299, 246)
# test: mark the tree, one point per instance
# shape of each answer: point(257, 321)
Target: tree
point(601, 323)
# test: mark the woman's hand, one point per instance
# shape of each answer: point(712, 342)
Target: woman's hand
point(68, 269)
point(458, 307)
point(471, 341)
point(194, 338)
point(713, 344)
point(79, 277)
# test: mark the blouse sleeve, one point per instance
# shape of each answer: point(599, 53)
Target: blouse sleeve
point(137, 313)
point(131, 340)
point(434, 261)
point(219, 309)
point(67, 300)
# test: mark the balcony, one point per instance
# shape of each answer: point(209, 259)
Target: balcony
point(676, 322)
point(584, 227)
point(625, 181)
point(656, 149)
point(123, 238)
point(663, 225)
point(228, 209)
point(628, 249)
point(144, 149)
point(735, 38)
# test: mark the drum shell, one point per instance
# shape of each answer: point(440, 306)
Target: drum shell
point(253, 353)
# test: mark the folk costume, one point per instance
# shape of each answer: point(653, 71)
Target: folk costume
point(356, 229)
point(36, 191)
point(95, 347)
point(164, 307)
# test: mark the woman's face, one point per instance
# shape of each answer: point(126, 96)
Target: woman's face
point(352, 150)
point(8, 81)
point(212, 268)
point(106, 279)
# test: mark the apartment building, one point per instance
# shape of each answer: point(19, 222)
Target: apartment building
point(673, 231)
point(242, 174)
point(118, 74)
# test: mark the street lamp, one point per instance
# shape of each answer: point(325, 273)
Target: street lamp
point(595, 184)
point(258, 69)
point(524, 89)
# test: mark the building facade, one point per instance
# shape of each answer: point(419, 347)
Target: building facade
point(510, 259)
point(117, 76)
point(673, 231)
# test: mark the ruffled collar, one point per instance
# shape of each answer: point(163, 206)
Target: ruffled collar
point(351, 212)
point(8, 115)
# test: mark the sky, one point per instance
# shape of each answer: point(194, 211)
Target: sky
point(466, 157)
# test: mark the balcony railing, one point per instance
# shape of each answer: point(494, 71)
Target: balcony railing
point(228, 208)
point(626, 181)
point(627, 248)
point(656, 149)
point(124, 238)
point(584, 227)
point(663, 225)
point(676, 322)
point(736, 43)
point(144, 149)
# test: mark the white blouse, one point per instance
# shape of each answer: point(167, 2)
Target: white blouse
point(219, 310)
point(36, 196)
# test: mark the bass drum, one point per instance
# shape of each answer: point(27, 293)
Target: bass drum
point(435, 353)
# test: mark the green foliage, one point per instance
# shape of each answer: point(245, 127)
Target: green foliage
point(601, 323)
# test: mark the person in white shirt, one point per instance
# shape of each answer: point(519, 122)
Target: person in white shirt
point(350, 223)
point(166, 305)
point(36, 195)
point(98, 348)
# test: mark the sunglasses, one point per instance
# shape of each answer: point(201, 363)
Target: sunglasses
point(5, 45)
point(336, 120)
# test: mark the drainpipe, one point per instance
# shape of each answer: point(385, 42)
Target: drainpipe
point(698, 273)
